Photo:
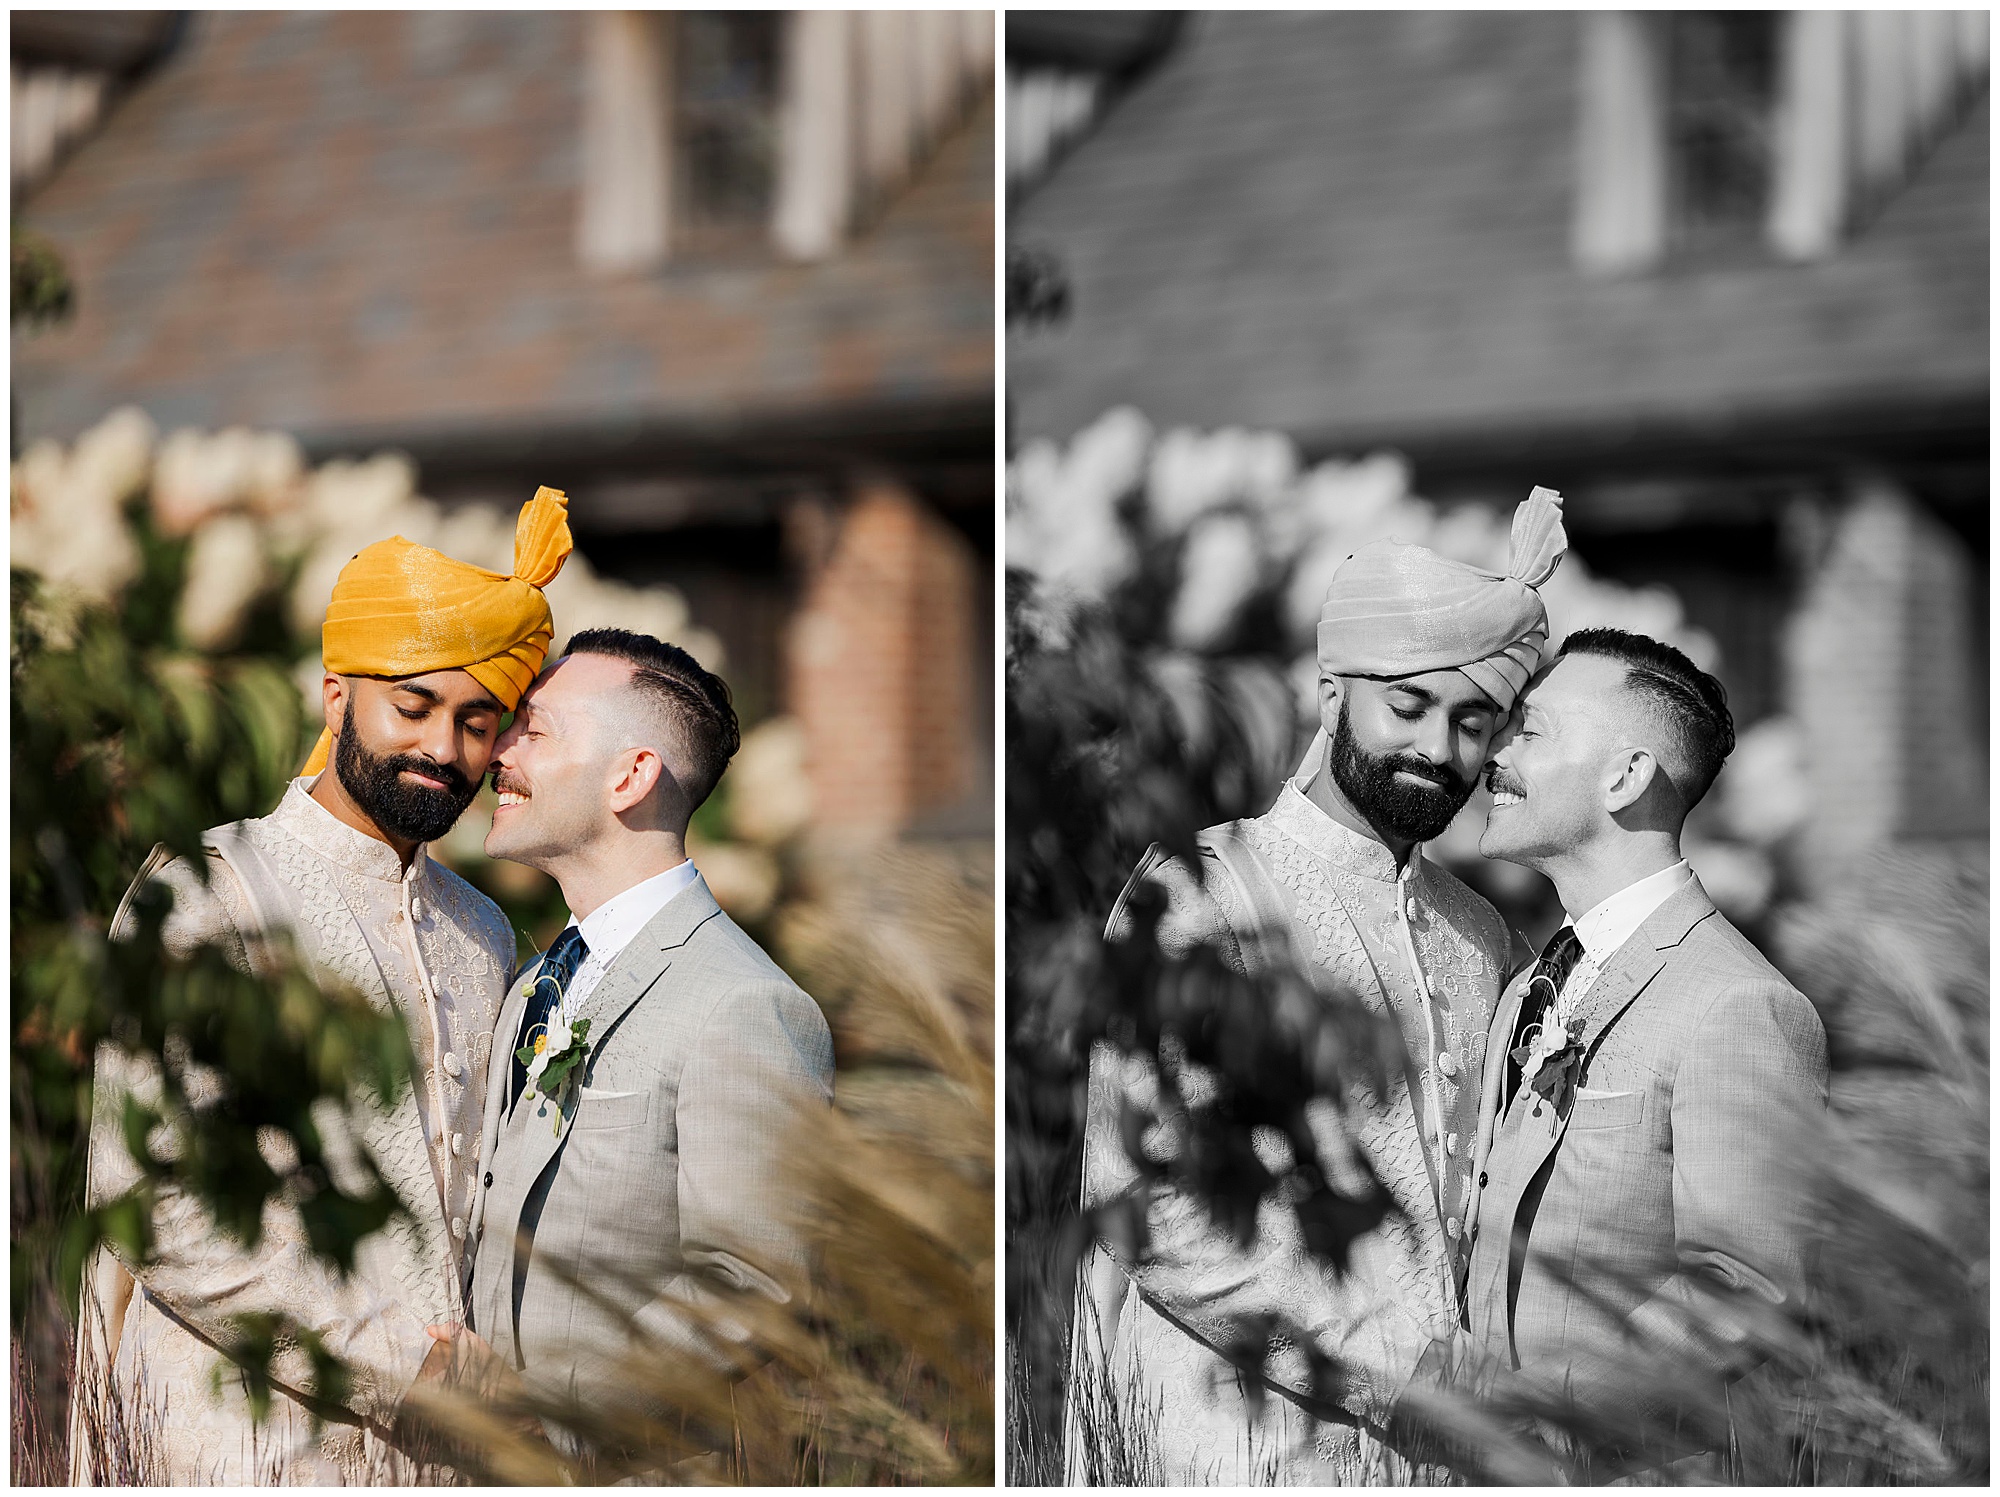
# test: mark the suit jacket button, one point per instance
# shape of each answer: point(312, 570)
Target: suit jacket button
point(489, 1179)
point(1482, 1179)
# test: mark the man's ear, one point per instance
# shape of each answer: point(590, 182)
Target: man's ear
point(637, 775)
point(1631, 776)
point(333, 701)
point(1332, 692)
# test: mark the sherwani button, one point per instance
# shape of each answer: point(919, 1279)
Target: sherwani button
point(458, 1143)
point(458, 1226)
point(1451, 1144)
point(1447, 1063)
point(1451, 1228)
point(416, 908)
point(453, 1064)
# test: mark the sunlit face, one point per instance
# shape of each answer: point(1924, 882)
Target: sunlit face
point(1551, 767)
point(411, 752)
point(1407, 753)
point(555, 766)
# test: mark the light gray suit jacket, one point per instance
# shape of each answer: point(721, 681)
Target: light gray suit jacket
point(1679, 1161)
point(662, 1182)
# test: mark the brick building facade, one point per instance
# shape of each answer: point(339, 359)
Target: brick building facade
point(1721, 279)
point(724, 277)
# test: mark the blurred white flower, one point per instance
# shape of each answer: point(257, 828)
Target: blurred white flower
point(1475, 534)
point(580, 599)
point(67, 518)
point(1764, 791)
point(113, 459)
point(1062, 517)
point(1337, 499)
point(1577, 600)
point(770, 797)
point(1194, 472)
point(227, 568)
point(743, 879)
point(308, 676)
point(204, 473)
point(479, 535)
point(1219, 571)
point(348, 495)
point(706, 647)
point(1739, 879)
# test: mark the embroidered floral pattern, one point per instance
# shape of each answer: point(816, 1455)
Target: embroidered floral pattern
point(1397, 1296)
point(342, 898)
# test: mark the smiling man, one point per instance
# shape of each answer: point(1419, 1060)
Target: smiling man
point(423, 656)
point(1420, 659)
point(1655, 1084)
point(633, 1170)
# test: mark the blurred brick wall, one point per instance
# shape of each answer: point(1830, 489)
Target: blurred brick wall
point(1880, 665)
point(879, 662)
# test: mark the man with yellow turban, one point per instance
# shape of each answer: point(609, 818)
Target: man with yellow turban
point(1420, 661)
point(423, 655)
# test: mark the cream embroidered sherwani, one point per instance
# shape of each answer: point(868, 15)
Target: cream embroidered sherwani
point(1404, 940)
point(419, 941)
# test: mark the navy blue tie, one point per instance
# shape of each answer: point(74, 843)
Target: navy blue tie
point(559, 964)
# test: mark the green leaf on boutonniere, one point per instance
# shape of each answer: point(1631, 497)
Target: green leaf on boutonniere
point(557, 1071)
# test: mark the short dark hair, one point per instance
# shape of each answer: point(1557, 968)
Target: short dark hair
point(1689, 699)
point(695, 701)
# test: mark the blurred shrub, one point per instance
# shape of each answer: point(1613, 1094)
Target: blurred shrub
point(120, 741)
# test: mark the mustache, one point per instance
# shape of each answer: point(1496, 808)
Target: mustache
point(449, 775)
point(1423, 769)
point(503, 780)
point(1498, 780)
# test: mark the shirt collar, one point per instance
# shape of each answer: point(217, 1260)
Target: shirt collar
point(337, 842)
point(609, 929)
point(1612, 922)
point(1304, 822)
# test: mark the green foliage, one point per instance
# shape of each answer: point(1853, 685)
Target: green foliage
point(43, 292)
point(556, 1072)
point(122, 741)
point(1111, 748)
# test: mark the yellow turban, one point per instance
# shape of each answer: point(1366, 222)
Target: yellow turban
point(400, 609)
point(1397, 610)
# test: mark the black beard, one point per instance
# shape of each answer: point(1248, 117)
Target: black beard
point(413, 812)
point(1399, 812)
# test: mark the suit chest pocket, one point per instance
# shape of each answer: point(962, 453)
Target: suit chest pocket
point(1602, 1111)
point(596, 1110)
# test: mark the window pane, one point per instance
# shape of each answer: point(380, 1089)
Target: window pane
point(1721, 91)
point(726, 77)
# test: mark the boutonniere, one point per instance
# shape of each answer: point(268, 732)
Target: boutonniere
point(1552, 1059)
point(552, 1055)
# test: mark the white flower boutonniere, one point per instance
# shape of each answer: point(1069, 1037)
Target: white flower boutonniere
point(552, 1055)
point(1551, 1058)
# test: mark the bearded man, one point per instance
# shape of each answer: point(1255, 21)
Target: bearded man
point(1420, 659)
point(423, 656)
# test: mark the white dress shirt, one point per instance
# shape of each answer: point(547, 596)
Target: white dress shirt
point(1613, 921)
point(609, 929)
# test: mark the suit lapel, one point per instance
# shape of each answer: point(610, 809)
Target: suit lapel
point(1631, 969)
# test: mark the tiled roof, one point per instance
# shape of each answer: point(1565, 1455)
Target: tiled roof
point(1354, 227)
point(363, 223)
